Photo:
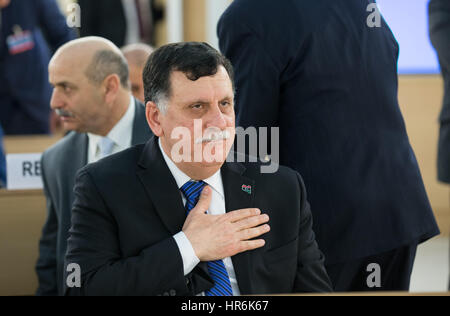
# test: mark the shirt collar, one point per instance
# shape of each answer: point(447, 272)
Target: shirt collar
point(215, 181)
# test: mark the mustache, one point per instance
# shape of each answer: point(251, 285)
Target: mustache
point(214, 136)
point(61, 112)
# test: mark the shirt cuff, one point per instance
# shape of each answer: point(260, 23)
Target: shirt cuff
point(188, 255)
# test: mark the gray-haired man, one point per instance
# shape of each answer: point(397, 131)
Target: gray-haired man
point(91, 95)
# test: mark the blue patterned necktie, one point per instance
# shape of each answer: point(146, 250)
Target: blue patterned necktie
point(222, 285)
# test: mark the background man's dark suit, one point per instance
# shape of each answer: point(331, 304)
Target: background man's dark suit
point(60, 164)
point(439, 19)
point(2, 161)
point(106, 18)
point(127, 208)
point(24, 88)
point(316, 70)
point(439, 12)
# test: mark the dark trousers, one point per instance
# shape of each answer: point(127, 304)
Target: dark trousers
point(395, 269)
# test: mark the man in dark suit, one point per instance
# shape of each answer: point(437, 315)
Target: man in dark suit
point(134, 20)
point(2, 161)
point(92, 96)
point(24, 55)
point(140, 226)
point(325, 73)
point(439, 20)
point(439, 12)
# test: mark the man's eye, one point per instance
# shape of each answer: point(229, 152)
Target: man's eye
point(66, 89)
point(197, 106)
point(225, 103)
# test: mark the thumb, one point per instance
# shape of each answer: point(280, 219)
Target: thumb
point(204, 201)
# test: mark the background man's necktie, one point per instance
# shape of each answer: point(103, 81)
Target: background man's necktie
point(217, 270)
point(105, 146)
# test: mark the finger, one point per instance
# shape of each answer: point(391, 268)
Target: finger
point(251, 244)
point(204, 201)
point(251, 221)
point(238, 215)
point(250, 233)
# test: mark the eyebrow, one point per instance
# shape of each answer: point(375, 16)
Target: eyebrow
point(200, 101)
point(63, 83)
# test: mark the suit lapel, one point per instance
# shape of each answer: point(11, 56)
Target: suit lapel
point(161, 187)
point(236, 198)
point(78, 154)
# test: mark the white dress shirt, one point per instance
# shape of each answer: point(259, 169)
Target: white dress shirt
point(217, 207)
point(121, 135)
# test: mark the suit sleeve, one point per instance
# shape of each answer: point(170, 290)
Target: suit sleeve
point(94, 245)
point(256, 74)
point(311, 274)
point(54, 23)
point(46, 264)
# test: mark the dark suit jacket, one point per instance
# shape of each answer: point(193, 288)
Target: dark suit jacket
point(439, 13)
point(106, 18)
point(317, 71)
point(127, 208)
point(59, 165)
point(2, 161)
point(24, 83)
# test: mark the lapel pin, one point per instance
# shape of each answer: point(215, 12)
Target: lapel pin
point(247, 188)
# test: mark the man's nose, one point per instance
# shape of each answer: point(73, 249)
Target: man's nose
point(216, 118)
point(56, 101)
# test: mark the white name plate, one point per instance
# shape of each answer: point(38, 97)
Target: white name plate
point(23, 171)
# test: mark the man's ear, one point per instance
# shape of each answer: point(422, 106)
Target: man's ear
point(153, 115)
point(111, 86)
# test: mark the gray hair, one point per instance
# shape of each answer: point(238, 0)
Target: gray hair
point(105, 63)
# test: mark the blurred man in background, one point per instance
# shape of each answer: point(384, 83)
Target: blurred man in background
point(121, 21)
point(439, 17)
point(439, 12)
point(24, 55)
point(92, 96)
point(137, 55)
point(2, 161)
point(328, 80)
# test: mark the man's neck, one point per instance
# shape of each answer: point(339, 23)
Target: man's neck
point(119, 108)
point(194, 170)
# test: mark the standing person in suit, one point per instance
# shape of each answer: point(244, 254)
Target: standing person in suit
point(137, 55)
point(92, 96)
point(24, 55)
point(139, 225)
point(320, 72)
point(2, 161)
point(439, 19)
point(439, 13)
point(134, 20)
